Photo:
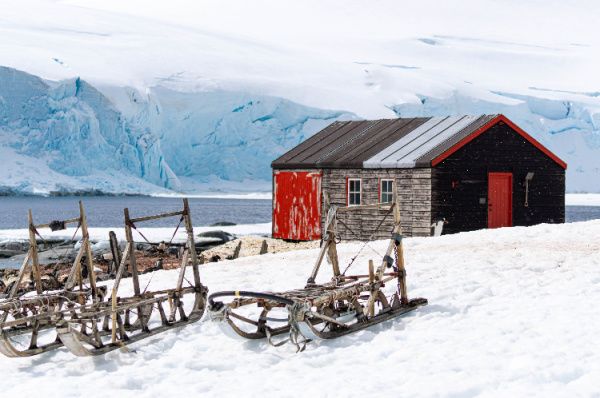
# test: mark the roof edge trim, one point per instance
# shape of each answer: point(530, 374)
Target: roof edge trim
point(487, 126)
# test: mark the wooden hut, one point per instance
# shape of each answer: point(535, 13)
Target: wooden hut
point(469, 172)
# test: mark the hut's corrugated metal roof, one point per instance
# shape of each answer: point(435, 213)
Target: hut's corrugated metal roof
point(385, 143)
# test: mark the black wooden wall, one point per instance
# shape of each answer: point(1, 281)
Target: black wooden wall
point(460, 188)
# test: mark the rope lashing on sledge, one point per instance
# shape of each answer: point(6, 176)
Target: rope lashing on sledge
point(176, 229)
point(296, 313)
point(366, 243)
point(134, 227)
point(46, 244)
point(397, 242)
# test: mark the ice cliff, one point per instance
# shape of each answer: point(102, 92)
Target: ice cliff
point(68, 136)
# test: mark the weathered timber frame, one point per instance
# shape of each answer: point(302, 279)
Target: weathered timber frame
point(24, 317)
point(345, 304)
point(105, 326)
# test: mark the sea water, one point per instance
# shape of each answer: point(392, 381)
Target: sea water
point(107, 211)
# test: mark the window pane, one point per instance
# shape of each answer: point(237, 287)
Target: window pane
point(354, 191)
point(387, 191)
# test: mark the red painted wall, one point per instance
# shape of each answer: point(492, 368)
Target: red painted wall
point(297, 205)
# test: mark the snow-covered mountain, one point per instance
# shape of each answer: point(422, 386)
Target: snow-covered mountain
point(186, 95)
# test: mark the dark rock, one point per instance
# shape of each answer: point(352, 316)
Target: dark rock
point(101, 276)
point(9, 253)
point(141, 246)
point(49, 282)
point(20, 246)
point(223, 224)
point(226, 236)
point(210, 239)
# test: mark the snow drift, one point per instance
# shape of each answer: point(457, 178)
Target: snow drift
point(511, 313)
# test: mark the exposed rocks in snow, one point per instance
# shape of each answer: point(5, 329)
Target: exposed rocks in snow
point(212, 246)
point(254, 245)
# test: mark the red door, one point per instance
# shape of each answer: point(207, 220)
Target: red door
point(499, 200)
point(297, 205)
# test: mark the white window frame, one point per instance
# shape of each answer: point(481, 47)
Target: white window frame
point(348, 192)
point(381, 181)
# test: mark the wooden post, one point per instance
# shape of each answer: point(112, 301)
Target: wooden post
point(326, 206)
point(88, 251)
point(116, 252)
point(35, 266)
point(400, 253)
point(333, 257)
point(317, 265)
point(264, 247)
point(187, 218)
point(115, 289)
point(371, 303)
point(331, 232)
point(75, 270)
point(131, 254)
point(237, 250)
point(325, 247)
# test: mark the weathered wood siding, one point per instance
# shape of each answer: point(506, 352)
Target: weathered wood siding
point(460, 182)
point(412, 185)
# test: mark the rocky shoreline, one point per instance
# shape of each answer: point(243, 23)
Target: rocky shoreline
point(57, 256)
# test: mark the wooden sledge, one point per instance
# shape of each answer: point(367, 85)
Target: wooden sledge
point(345, 304)
point(100, 327)
point(23, 318)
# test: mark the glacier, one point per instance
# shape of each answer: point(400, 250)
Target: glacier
point(69, 136)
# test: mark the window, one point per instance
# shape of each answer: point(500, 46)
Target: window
point(354, 191)
point(386, 191)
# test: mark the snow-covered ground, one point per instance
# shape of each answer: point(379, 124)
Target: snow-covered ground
point(512, 313)
point(198, 96)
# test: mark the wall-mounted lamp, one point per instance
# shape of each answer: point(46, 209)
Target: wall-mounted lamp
point(528, 178)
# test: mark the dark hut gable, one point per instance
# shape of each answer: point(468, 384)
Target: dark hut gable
point(459, 186)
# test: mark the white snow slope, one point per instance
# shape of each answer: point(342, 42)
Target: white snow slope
point(208, 93)
point(512, 313)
